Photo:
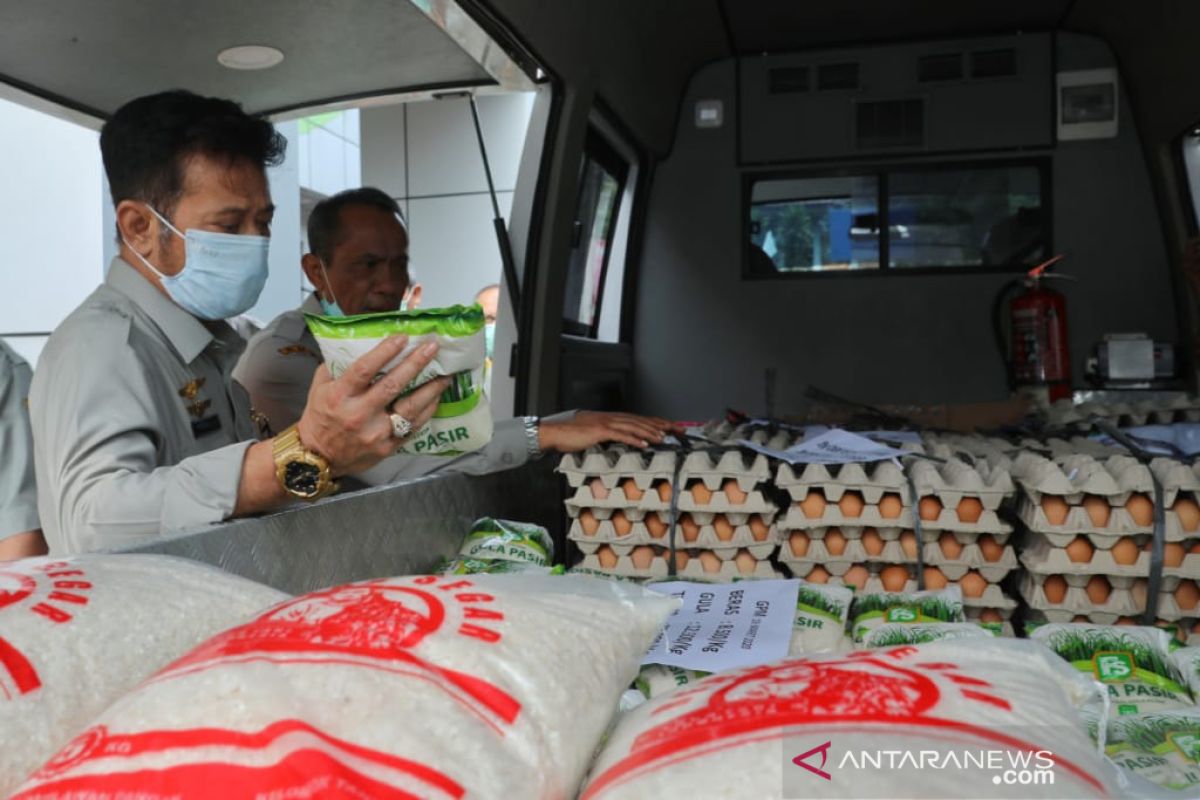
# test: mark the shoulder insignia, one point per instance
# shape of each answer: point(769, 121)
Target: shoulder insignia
point(297, 349)
point(192, 388)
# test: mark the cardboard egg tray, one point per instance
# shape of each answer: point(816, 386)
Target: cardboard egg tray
point(614, 463)
point(891, 533)
point(651, 500)
point(1127, 599)
point(1180, 408)
point(893, 553)
point(871, 480)
point(693, 570)
point(1040, 555)
point(1115, 478)
point(724, 550)
point(947, 520)
point(992, 597)
point(708, 538)
point(1120, 523)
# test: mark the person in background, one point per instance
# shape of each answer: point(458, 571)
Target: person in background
point(138, 427)
point(20, 530)
point(488, 299)
point(358, 264)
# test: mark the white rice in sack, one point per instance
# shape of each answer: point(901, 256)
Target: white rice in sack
point(893, 634)
point(872, 609)
point(1158, 750)
point(463, 420)
point(420, 686)
point(78, 632)
point(1133, 662)
point(820, 622)
point(944, 719)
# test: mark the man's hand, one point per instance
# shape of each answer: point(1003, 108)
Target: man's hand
point(347, 420)
point(590, 428)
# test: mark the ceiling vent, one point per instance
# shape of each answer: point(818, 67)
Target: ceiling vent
point(883, 124)
point(941, 67)
point(837, 77)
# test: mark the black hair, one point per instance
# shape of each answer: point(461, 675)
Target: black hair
point(324, 223)
point(147, 142)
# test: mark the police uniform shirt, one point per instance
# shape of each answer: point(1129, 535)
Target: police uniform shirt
point(138, 427)
point(277, 369)
point(18, 493)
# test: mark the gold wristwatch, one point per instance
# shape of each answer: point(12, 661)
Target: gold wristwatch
point(301, 472)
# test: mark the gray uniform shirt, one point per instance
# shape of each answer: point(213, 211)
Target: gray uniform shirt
point(277, 369)
point(18, 492)
point(138, 428)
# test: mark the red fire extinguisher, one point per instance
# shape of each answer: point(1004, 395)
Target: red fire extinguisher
point(1038, 351)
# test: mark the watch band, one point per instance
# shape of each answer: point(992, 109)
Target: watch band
point(532, 428)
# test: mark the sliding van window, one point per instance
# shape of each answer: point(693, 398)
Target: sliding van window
point(1189, 147)
point(976, 216)
point(601, 186)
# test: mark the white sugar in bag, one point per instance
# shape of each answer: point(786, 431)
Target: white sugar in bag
point(732, 735)
point(427, 686)
point(76, 633)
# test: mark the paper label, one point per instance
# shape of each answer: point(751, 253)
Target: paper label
point(722, 626)
point(832, 447)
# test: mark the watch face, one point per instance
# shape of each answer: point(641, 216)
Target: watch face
point(302, 479)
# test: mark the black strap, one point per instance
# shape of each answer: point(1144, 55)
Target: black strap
point(915, 502)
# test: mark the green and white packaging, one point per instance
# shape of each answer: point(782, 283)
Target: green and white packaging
point(894, 634)
point(506, 540)
point(1161, 747)
point(1187, 661)
point(480, 566)
point(874, 609)
point(463, 420)
point(656, 680)
point(1133, 662)
point(820, 622)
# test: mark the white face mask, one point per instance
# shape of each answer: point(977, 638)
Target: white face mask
point(223, 274)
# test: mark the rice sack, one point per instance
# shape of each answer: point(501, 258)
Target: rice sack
point(463, 420)
point(824, 726)
point(872, 609)
point(420, 686)
point(655, 680)
point(893, 634)
point(1133, 662)
point(820, 622)
point(1187, 661)
point(1160, 748)
point(78, 632)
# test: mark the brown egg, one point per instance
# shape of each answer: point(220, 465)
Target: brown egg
point(835, 542)
point(1080, 618)
point(1055, 508)
point(813, 504)
point(1125, 552)
point(1187, 595)
point(630, 488)
point(681, 559)
point(851, 504)
point(606, 556)
point(1172, 554)
point(588, 522)
point(951, 549)
point(733, 492)
point(1188, 512)
point(1055, 589)
point(709, 562)
point(1080, 550)
point(935, 578)
point(1141, 509)
point(599, 490)
point(1098, 589)
point(1126, 621)
point(691, 531)
point(642, 556)
point(973, 584)
point(664, 491)
point(930, 508)
point(817, 574)
point(1098, 510)
point(701, 494)
point(1195, 548)
point(894, 578)
point(723, 528)
point(798, 541)
point(746, 563)
point(990, 549)
point(1196, 627)
point(856, 576)
point(990, 615)
point(908, 543)
point(759, 529)
point(970, 509)
point(655, 526)
point(621, 524)
point(890, 506)
point(872, 542)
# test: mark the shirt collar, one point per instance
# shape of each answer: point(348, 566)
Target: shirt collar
point(312, 305)
point(186, 334)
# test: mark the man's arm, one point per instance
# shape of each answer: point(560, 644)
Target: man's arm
point(20, 528)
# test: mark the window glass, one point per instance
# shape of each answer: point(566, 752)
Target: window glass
point(1191, 162)
point(813, 224)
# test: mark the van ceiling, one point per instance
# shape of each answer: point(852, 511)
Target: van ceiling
point(94, 56)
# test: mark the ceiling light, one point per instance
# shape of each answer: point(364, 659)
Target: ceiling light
point(250, 56)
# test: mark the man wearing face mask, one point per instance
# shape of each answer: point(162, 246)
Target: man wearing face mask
point(138, 427)
point(358, 264)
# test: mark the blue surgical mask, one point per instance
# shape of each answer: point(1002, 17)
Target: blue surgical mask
point(489, 338)
point(223, 274)
point(331, 307)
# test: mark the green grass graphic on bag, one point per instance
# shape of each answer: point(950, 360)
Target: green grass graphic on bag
point(1160, 747)
point(882, 608)
point(463, 420)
